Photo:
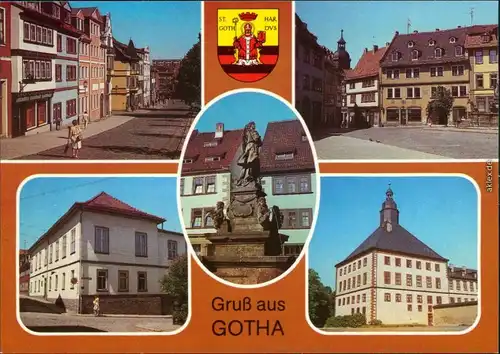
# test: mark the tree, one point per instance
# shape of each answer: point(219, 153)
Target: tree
point(188, 82)
point(440, 107)
point(320, 300)
point(175, 284)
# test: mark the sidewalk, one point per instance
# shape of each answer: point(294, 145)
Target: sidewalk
point(33, 144)
point(347, 148)
point(480, 130)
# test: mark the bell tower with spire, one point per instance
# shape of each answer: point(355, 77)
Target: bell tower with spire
point(341, 55)
point(389, 214)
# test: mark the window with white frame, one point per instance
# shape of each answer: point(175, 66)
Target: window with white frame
point(101, 240)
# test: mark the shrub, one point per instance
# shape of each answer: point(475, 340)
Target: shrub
point(375, 322)
point(352, 321)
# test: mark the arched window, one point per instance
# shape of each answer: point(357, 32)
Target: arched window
point(410, 44)
point(438, 53)
point(414, 54)
point(453, 39)
point(432, 43)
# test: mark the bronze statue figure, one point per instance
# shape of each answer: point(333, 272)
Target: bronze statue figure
point(249, 158)
point(218, 215)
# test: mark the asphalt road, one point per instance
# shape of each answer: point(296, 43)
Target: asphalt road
point(152, 134)
point(449, 144)
point(47, 322)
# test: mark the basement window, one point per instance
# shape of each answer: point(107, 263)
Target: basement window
point(284, 156)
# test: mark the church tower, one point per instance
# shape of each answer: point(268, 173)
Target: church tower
point(341, 55)
point(389, 214)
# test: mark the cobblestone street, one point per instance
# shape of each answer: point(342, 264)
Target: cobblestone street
point(151, 134)
point(47, 322)
point(410, 143)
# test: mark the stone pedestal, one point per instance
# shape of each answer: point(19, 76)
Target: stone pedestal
point(244, 250)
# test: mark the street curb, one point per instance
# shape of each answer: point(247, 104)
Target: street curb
point(485, 131)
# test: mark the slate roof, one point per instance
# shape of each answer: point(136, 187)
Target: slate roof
point(125, 52)
point(368, 65)
point(474, 36)
point(399, 240)
point(426, 52)
point(102, 202)
point(226, 148)
point(285, 137)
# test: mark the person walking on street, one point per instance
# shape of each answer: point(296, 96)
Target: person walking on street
point(97, 310)
point(85, 119)
point(75, 137)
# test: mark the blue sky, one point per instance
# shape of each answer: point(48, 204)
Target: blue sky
point(440, 211)
point(366, 23)
point(45, 200)
point(236, 110)
point(169, 28)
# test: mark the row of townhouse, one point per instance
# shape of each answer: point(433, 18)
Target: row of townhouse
point(288, 179)
point(393, 85)
point(394, 277)
point(107, 248)
point(57, 62)
point(319, 77)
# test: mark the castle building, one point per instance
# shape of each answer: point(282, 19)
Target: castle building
point(107, 248)
point(396, 278)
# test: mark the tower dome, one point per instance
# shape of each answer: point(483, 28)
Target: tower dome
point(341, 55)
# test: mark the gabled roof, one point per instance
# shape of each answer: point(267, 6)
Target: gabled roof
point(103, 203)
point(368, 65)
point(126, 52)
point(398, 240)
point(286, 137)
point(88, 12)
point(226, 149)
point(475, 34)
point(426, 52)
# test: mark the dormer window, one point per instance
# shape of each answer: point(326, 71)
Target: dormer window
point(411, 44)
point(453, 40)
point(188, 161)
point(212, 158)
point(414, 54)
point(432, 43)
point(210, 144)
point(284, 156)
point(438, 53)
point(303, 137)
point(459, 51)
point(395, 56)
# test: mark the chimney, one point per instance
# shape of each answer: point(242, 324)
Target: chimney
point(387, 44)
point(397, 33)
point(365, 51)
point(459, 26)
point(219, 130)
point(415, 31)
point(375, 48)
point(437, 29)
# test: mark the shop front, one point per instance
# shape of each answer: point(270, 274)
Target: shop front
point(31, 112)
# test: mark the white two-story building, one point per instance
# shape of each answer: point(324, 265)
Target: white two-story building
point(394, 277)
point(206, 180)
point(362, 88)
point(104, 247)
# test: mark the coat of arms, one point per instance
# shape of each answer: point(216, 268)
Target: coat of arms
point(248, 42)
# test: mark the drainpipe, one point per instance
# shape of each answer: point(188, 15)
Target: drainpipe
point(80, 273)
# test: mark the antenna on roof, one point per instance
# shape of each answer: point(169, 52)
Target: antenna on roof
point(25, 243)
point(408, 26)
point(471, 13)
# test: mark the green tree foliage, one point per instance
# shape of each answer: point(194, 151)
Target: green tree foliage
point(320, 300)
point(188, 83)
point(175, 284)
point(440, 107)
point(352, 321)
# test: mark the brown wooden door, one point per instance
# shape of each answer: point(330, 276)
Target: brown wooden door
point(430, 319)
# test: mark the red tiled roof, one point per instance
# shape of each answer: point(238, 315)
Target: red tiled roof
point(368, 65)
point(426, 52)
point(226, 148)
point(474, 36)
point(105, 202)
point(102, 202)
point(281, 137)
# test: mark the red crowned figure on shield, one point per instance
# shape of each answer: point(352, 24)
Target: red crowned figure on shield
point(248, 44)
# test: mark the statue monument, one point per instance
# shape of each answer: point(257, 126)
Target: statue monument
point(247, 247)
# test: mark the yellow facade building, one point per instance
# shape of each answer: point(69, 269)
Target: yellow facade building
point(414, 66)
point(124, 80)
point(482, 46)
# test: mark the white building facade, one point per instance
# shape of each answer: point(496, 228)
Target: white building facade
point(393, 277)
point(92, 250)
